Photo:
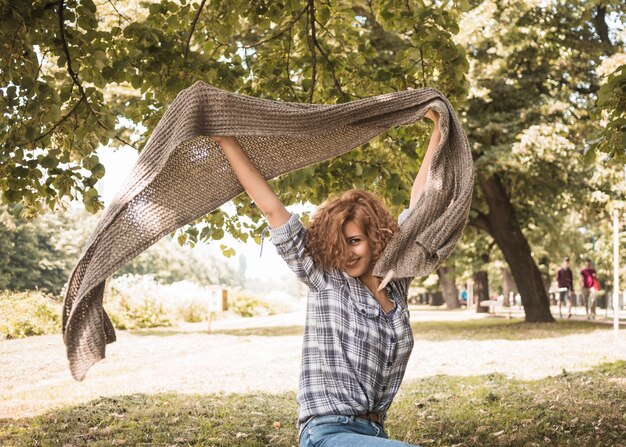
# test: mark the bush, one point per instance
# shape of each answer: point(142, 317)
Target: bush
point(136, 302)
point(188, 301)
point(248, 305)
point(29, 313)
point(192, 311)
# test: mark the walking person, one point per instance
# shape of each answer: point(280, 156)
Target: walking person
point(565, 280)
point(358, 337)
point(588, 277)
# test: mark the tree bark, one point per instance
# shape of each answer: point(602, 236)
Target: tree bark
point(503, 226)
point(508, 286)
point(481, 290)
point(435, 299)
point(448, 285)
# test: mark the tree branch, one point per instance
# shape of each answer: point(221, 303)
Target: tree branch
point(331, 65)
point(75, 80)
point(278, 34)
point(120, 16)
point(599, 23)
point(311, 16)
point(423, 71)
point(49, 131)
point(193, 27)
point(66, 50)
point(293, 92)
point(480, 221)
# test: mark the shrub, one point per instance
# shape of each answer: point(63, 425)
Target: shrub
point(188, 301)
point(192, 311)
point(248, 305)
point(29, 313)
point(136, 302)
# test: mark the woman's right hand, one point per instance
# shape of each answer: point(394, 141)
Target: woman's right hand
point(222, 138)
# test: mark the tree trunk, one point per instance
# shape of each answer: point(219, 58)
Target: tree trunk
point(502, 225)
point(508, 286)
point(481, 290)
point(435, 299)
point(448, 286)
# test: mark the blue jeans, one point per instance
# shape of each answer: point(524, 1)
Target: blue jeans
point(345, 431)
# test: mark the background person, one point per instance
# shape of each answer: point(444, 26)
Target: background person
point(588, 276)
point(565, 279)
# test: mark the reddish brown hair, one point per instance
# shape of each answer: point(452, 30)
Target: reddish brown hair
point(326, 243)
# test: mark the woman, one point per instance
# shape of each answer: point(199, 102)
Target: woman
point(357, 338)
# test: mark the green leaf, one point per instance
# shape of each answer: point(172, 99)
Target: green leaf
point(91, 162)
point(136, 81)
point(91, 200)
point(89, 4)
point(98, 171)
point(359, 169)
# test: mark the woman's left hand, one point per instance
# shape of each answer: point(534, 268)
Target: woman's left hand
point(433, 116)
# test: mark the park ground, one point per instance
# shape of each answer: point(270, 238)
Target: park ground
point(472, 380)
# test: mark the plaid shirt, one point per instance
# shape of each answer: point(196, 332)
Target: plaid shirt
point(354, 355)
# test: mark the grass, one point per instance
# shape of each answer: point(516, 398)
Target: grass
point(500, 329)
point(496, 328)
point(572, 409)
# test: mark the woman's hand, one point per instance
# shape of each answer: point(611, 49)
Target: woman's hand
point(223, 138)
point(433, 116)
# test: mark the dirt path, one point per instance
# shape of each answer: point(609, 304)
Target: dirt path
point(34, 376)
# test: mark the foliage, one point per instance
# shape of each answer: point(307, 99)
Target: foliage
point(612, 104)
point(581, 409)
point(527, 117)
point(28, 313)
point(168, 263)
point(81, 74)
point(520, 114)
point(137, 302)
point(192, 311)
point(187, 301)
point(40, 254)
point(248, 305)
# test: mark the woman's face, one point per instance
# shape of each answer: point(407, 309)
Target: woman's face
point(361, 256)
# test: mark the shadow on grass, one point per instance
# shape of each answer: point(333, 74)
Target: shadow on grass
point(573, 409)
point(483, 329)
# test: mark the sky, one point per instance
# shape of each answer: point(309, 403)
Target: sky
point(119, 163)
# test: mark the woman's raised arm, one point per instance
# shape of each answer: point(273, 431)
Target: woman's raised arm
point(420, 179)
point(253, 182)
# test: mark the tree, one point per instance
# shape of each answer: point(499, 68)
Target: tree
point(611, 105)
point(447, 279)
point(81, 75)
point(40, 254)
point(530, 95)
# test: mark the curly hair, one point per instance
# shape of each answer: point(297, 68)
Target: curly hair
point(325, 241)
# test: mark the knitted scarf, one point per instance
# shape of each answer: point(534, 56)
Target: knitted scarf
point(182, 174)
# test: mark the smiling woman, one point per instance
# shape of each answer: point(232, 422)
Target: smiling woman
point(358, 337)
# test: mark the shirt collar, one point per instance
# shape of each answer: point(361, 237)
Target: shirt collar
point(362, 298)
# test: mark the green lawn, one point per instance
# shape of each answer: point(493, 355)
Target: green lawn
point(500, 329)
point(496, 328)
point(572, 409)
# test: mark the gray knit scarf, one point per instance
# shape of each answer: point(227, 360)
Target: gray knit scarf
point(182, 174)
